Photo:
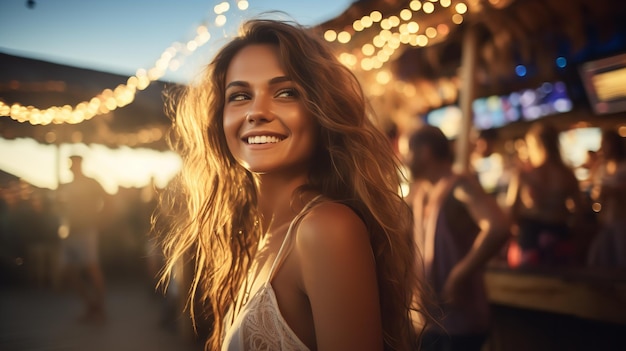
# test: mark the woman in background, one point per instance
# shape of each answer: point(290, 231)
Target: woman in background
point(544, 199)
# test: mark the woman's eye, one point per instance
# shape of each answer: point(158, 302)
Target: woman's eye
point(285, 93)
point(237, 97)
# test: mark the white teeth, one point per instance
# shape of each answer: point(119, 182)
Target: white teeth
point(263, 139)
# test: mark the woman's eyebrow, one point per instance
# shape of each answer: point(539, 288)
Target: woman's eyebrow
point(280, 79)
point(275, 80)
point(237, 83)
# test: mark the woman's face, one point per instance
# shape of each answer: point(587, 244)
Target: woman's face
point(266, 125)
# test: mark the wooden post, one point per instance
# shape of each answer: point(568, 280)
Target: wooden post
point(57, 164)
point(466, 97)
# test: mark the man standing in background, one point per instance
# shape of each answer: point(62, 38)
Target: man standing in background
point(82, 203)
point(458, 228)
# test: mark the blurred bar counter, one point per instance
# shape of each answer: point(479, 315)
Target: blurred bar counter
point(556, 308)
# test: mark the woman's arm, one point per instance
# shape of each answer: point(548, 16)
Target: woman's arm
point(339, 278)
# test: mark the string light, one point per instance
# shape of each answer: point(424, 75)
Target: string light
point(394, 32)
point(110, 99)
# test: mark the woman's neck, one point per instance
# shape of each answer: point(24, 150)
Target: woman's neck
point(276, 199)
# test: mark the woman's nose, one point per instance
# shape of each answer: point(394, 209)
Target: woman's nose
point(259, 111)
point(256, 117)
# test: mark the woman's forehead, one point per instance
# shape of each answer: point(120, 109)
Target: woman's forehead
point(255, 61)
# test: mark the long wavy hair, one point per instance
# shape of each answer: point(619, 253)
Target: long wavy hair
point(219, 227)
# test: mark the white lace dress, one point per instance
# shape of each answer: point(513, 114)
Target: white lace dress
point(259, 325)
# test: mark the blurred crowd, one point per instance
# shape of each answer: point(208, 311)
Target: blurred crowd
point(557, 218)
point(561, 216)
point(77, 238)
point(33, 232)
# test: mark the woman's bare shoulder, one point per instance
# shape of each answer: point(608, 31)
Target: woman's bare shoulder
point(334, 252)
point(331, 230)
point(332, 221)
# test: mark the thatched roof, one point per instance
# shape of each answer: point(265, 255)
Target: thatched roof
point(532, 33)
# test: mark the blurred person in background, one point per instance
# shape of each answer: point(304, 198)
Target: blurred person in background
point(458, 228)
point(545, 201)
point(490, 164)
point(609, 193)
point(81, 206)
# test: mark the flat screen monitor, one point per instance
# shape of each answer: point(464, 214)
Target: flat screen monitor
point(605, 84)
point(524, 105)
point(548, 99)
point(488, 112)
point(495, 111)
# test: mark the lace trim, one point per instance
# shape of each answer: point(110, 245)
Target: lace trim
point(264, 328)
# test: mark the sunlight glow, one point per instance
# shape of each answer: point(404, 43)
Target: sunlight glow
point(113, 168)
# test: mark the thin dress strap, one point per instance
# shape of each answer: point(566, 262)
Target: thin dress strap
point(279, 257)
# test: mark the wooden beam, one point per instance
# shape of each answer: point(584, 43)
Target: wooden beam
point(466, 97)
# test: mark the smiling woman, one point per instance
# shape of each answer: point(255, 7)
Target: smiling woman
point(291, 212)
